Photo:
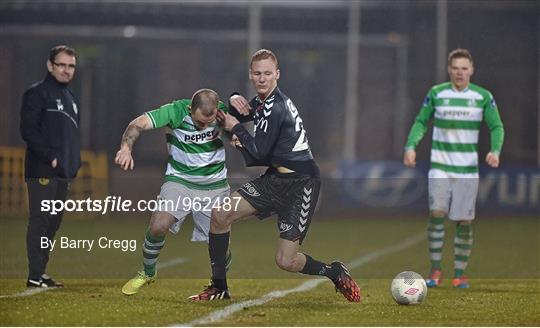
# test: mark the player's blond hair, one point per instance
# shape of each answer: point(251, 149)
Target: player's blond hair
point(263, 54)
point(459, 53)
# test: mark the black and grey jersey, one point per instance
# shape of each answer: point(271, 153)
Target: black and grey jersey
point(279, 136)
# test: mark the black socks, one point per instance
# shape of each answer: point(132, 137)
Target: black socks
point(316, 268)
point(218, 245)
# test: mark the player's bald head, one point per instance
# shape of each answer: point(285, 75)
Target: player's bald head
point(205, 100)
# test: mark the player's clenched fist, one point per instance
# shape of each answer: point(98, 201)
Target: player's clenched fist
point(409, 158)
point(492, 159)
point(235, 142)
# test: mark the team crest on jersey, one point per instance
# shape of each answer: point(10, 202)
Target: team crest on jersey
point(283, 227)
point(471, 103)
point(59, 104)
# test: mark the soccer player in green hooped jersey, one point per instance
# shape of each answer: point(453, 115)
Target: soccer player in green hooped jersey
point(457, 107)
point(195, 171)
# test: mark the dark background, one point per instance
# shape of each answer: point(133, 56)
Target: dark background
point(134, 56)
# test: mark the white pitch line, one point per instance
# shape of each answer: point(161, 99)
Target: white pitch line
point(34, 291)
point(308, 285)
point(28, 292)
point(173, 262)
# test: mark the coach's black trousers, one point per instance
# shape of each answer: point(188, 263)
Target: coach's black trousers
point(42, 224)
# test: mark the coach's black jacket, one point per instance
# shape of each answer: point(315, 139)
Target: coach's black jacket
point(50, 128)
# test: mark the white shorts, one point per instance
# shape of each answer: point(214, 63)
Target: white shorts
point(197, 202)
point(455, 196)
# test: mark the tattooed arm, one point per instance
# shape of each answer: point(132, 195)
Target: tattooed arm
point(123, 156)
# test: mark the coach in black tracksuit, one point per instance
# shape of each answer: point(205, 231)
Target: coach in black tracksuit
point(50, 128)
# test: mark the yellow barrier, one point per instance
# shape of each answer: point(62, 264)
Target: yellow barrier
point(91, 181)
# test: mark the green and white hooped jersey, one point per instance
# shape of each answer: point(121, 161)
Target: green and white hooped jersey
point(196, 157)
point(457, 116)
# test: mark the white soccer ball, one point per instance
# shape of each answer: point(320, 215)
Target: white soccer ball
point(408, 287)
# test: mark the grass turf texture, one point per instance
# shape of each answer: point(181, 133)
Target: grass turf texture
point(492, 302)
point(504, 271)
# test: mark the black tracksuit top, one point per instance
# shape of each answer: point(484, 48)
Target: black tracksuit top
point(50, 127)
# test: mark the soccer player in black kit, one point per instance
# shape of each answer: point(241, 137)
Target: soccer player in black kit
point(289, 188)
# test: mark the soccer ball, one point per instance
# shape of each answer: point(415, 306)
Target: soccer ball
point(408, 287)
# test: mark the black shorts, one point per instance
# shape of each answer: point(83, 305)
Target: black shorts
point(292, 196)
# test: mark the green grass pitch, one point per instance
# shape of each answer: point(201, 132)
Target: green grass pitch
point(504, 271)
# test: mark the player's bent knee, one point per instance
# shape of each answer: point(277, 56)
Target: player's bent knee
point(160, 223)
point(437, 213)
point(220, 219)
point(286, 263)
point(158, 230)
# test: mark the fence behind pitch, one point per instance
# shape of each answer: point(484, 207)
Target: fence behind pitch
point(91, 181)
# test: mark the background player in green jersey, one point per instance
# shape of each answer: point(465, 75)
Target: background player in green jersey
point(457, 107)
point(195, 171)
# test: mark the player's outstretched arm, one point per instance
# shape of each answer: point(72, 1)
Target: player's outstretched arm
point(131, 134)
point(229, 122)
